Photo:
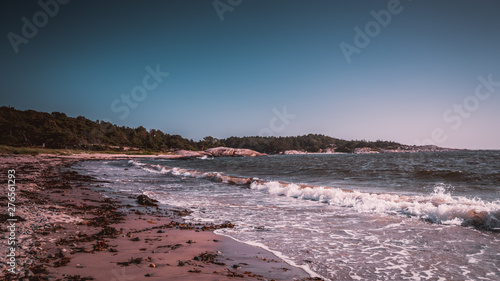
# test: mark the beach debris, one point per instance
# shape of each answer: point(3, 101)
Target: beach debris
point(77, 277)
point(146, 201)
point(190, 242)
point(181, 213)
point(135, 261)
point(234, 274)
point(75, 250)
point(210, 227)
point(62, 261)
point(172, 247)
point(109, 231)
point(39, 269)
point(152, 265)
point(98, 222)
point(236, 266)
point(100, 246)
point(208, 257)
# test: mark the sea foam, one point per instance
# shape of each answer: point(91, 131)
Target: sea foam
point(438, 207)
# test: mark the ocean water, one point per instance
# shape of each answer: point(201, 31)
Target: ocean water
point(411, 216)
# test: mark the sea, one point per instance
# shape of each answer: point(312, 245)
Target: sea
point(387, 216)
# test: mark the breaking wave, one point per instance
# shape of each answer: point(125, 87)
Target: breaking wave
point(438, 207)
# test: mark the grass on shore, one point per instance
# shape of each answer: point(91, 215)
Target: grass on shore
point(4, 149)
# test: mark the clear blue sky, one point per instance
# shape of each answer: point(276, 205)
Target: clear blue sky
point(226, 77)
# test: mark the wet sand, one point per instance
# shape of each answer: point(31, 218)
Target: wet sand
point(67, 230)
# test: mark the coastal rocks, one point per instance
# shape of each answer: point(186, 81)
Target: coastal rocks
point(293, 152)
point(232, 152)
point(189, 153)
point(213, 152)
point(364, 150)
point(146, 201)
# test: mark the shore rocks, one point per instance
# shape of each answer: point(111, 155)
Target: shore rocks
point(214, 152)
point(190, 153)
point(293, 152)
point(232, 152)
point(146, 201)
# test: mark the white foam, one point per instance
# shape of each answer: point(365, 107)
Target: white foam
point(135, 163)
point(205, 157)
point(438, 207)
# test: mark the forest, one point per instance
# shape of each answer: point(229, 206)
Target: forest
point(31, 128)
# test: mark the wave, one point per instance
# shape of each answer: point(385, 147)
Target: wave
point(438, 207)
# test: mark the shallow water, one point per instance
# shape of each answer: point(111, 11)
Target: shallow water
point(420, 216)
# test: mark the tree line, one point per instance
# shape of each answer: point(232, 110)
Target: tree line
point(31, 128)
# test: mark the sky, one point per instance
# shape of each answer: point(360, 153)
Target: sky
point(415, 72)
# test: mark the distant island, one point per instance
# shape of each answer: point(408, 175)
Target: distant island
point(55, 130)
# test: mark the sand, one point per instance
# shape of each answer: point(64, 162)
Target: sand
point(67, 230)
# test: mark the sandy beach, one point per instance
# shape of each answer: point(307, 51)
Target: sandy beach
point(66, 229)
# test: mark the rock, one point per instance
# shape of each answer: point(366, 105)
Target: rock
point(190, 153)
point(232, 152)
point(293, 152)
point(146, 201)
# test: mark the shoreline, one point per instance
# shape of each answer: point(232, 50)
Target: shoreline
point(73, 232)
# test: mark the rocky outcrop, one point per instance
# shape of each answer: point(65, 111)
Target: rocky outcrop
point(232, 152)
point(293, 152)
point(190, 153)
point(363, 150)
point(213, 152)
